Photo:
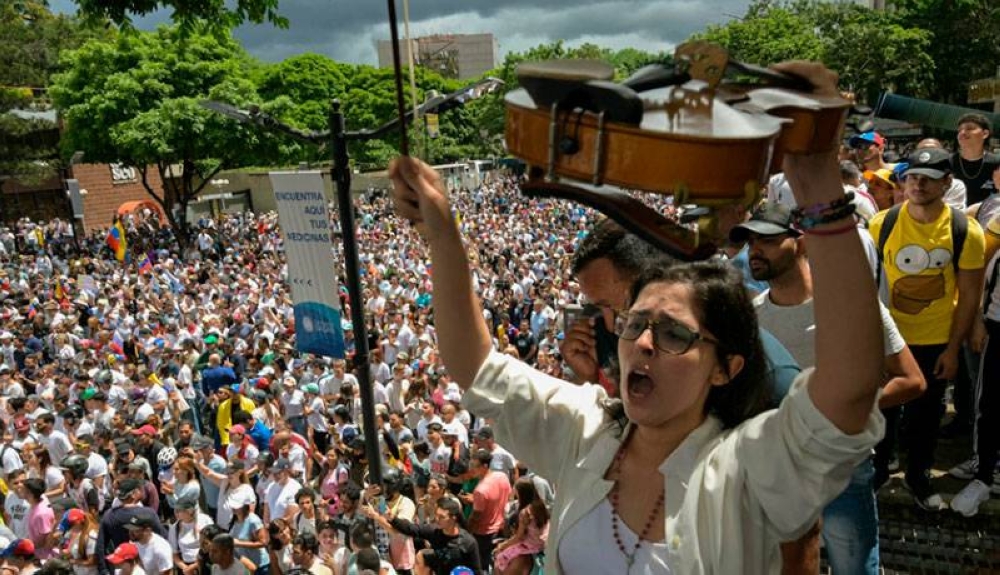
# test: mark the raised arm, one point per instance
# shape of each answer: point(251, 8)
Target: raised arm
point(848, 336)
point(421, 198)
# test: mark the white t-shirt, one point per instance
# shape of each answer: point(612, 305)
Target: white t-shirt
point(155, 555)
point(17, 510)
point(90, 548)
point(316, 419)
point(58, 445)
point(11, 460)
point(280, 497)
point(579, 554)
point(185, 538)
point(292, 401)
point(795, 327)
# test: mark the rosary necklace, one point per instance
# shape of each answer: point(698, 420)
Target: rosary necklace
point(616, 519)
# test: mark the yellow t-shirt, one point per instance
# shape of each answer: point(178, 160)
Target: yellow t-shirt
point(921, 277)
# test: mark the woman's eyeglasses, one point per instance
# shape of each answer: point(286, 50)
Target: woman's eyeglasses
point(669, 335)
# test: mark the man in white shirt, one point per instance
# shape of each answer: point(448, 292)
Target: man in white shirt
point(55, 442)
point(427, 417)
point(280, 502)
point(154, 551)
point(15, 507)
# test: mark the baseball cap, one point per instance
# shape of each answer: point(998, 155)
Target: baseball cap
point(935, 163)
point(235, 466)
point(145, 430)
point(282, 464)
point(124, 552)
point(485, 432)
point(19, 548)
point(211, 338)
point(884, 175)
point(237, 429)
point(88, 393)
point(140, 522)
point(75, 516)
point(199, 442)
point(311, 388)
point(348, 434)
point(186, 503)
point(769, 219)
point(128, 485)
point(866, 139)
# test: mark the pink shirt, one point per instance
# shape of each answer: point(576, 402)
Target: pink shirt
point(489, 501)
point(41, 522)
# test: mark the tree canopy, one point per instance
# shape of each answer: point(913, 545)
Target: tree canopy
point(136, 100)
point(31, 39)
point(873, 50)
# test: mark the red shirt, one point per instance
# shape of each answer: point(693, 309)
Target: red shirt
point(489, 501)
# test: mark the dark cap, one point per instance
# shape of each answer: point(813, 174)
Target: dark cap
point(235, 467)
point(140, 522)
point(188, 502)
point(281, 464)
point(769, 219)
point(128, 485)
point(485, 432)
point(199, 442)
point(935, 163)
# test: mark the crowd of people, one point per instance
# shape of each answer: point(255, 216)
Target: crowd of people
point(157, 417)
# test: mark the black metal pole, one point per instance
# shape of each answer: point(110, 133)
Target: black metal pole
point(341, 173)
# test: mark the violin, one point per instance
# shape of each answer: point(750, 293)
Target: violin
point(686, 130)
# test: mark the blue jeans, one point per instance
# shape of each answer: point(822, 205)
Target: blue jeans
point(850, 526)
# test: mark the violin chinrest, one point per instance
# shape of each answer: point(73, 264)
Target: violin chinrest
point(584, 84)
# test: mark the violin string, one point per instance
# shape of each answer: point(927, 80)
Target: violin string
point(413, 76)
point(404, 143)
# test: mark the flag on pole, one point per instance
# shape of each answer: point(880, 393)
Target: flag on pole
point(146, 266)
point(116, 240)
point(60, 293)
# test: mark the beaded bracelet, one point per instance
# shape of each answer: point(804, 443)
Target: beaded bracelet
point(819, 214)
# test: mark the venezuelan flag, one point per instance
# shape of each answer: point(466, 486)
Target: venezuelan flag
point(116, 240)
point(146, 266)
point(59, 293)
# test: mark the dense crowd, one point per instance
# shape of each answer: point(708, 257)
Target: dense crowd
point(158, 419)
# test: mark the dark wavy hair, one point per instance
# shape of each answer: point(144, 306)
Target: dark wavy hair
point(724, 308)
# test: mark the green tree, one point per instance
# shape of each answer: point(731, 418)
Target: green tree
point(965, 41)
point(191, 15)
point(31, 38)
point(368, 94)
point(136, 101)
point(873, 50)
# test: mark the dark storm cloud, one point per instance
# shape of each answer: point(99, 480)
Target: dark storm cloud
point(348, 29)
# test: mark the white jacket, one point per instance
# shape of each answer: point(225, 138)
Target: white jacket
point(731, 495)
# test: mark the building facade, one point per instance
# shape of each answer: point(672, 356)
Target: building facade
point(458, 56)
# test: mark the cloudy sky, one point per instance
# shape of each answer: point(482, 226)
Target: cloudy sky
point(347, 30)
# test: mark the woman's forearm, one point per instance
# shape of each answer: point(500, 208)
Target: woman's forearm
point(463, 339)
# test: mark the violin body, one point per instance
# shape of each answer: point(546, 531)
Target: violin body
point(687, 133)
point(729, 164)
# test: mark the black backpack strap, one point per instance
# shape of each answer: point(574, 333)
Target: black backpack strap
point(888, 223)
point(959, 230)
point(991, 284)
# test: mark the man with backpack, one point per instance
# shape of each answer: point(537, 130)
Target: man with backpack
point(932, 256)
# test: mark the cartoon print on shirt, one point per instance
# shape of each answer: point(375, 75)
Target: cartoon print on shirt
point(924, 280)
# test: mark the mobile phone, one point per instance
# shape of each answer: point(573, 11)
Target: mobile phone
point(382, 506)
point(606, 340)
point(571, 314)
